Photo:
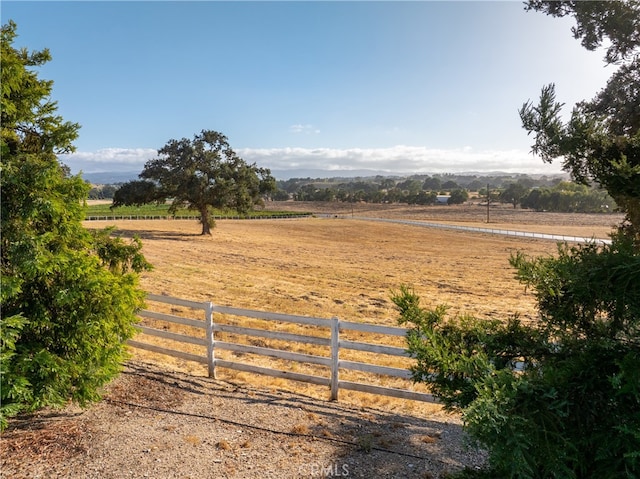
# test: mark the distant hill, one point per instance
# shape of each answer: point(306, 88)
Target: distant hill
point(114, 177)
point(317, 173)
point(110, 177)
point(350, 174)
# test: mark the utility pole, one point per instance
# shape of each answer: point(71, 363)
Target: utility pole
point(488, 201)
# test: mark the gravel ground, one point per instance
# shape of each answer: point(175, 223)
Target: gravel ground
point(158, 423)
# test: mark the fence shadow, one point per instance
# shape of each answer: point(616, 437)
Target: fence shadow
point(355, 441)
point(156, 234)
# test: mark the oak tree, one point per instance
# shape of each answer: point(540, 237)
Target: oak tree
point(199, 174)
point(513, 193)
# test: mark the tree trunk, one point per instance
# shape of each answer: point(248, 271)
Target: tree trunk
point(204, 219)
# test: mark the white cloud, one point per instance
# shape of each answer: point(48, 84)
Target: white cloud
point(108, 159)
point(303, 129)
point(399, 159)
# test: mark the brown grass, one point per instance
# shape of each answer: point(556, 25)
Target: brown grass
point(47, 441)
point(223, 445)
point(300, 429)
point(336, 265)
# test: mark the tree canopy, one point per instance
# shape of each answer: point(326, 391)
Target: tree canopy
point(559, 397)
point(199, 174)
point(69, 296)
point(601, 140)
point(556, 398)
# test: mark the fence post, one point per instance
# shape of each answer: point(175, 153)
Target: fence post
point(211, 362)
point(335, 350)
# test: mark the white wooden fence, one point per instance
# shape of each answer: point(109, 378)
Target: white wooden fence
point(494, 231)
point(332, 363)
point(186, 216)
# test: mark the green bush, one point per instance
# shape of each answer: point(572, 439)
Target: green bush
point(69, 297)
point(559, 398)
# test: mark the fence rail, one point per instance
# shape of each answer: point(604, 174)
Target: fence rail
point(331, 363)
point(494, 231)
point(194, 217)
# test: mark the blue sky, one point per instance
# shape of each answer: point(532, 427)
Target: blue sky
point(400, 87)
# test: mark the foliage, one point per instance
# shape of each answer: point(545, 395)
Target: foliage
point(540, 194)
point(136, 193)
point(458, 196)
point(616, 22)
point(588, 291)
point(601, 140)
point(68, 298)
point(566, 197)
point(559, 398)
point(102, 192)
point(199, 174)
point(280, 195)
point(513, 193)
point(162, 210)
point(453, 353)
point(116, 255)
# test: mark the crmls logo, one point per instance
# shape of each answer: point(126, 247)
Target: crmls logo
point(326, 470)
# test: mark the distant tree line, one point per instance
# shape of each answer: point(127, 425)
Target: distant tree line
point(569, 197)
point(540, 194)
point(102, 192)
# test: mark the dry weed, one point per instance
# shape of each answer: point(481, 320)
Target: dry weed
point(223, 445)
point(300, 429)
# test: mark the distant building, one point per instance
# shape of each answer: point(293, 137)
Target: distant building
point(442, 199)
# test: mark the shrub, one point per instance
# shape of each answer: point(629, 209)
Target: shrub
point(69, 297)
point(559, 398)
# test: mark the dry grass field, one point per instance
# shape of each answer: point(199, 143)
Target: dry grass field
point(163, 418)
point(334, 264)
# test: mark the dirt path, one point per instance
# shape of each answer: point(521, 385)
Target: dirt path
point(159, 423)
